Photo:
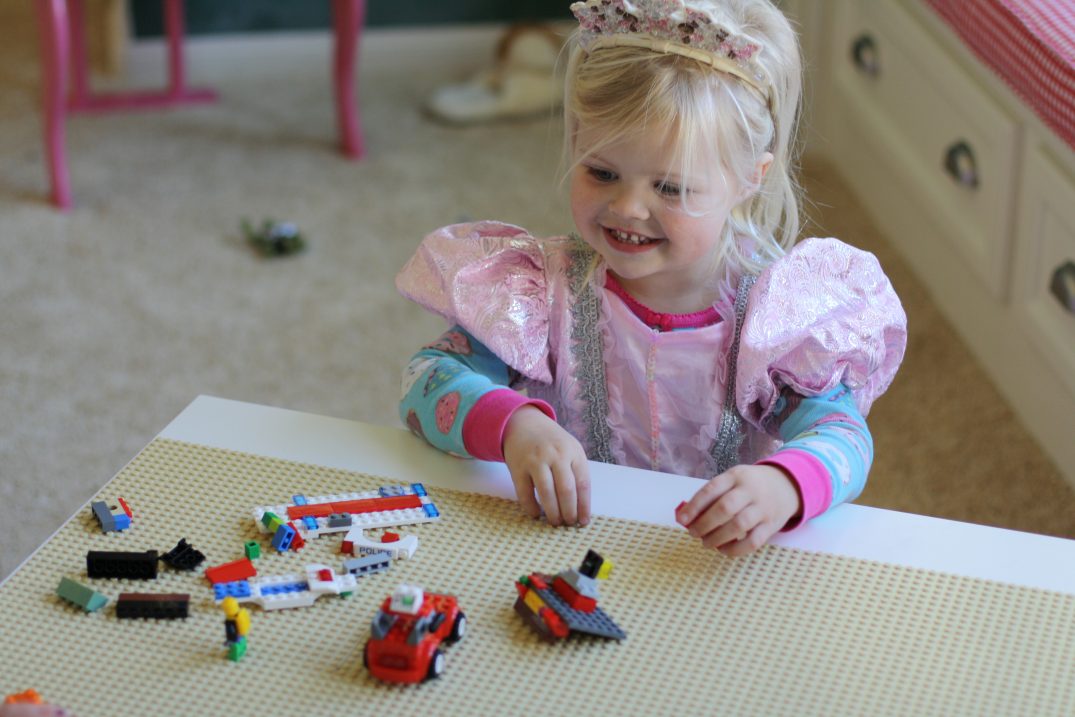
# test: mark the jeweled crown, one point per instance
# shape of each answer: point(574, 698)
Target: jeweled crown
point(668, 26)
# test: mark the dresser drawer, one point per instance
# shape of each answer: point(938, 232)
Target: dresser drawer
point(951, 146)
point(1045, 262)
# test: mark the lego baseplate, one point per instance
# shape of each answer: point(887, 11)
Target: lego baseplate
point(779, 632)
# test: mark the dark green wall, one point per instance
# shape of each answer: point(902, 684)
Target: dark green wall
point(212, 16)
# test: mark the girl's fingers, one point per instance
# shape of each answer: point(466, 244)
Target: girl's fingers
point(566, 497)
point(720, 512)
point(582, 489)
point(754, 540)
point(688, 511)
point(734, 530)
point(524, 493)
point(546, 492)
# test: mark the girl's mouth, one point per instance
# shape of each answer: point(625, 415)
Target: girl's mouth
point(626, 241)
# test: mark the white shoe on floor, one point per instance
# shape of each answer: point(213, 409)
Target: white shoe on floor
point(522, 83)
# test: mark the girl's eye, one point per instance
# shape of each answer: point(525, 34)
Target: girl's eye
point(668, 189)
point(601, 175)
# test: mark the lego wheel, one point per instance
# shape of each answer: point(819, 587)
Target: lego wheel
point(459, 628)
point(436, 665)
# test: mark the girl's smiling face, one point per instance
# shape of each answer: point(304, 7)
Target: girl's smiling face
point(658, 232)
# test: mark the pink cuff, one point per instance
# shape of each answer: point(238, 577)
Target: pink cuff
point(483, 428)
point(811, 479)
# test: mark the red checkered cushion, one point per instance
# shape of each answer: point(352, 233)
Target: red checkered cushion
point(1030, 44)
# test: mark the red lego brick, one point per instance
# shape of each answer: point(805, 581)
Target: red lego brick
point(389, 537)
point(230, 572)
point(538, 582)
point(348, 547)
point(363, 505)
point(297, 541)
point(573, 597)
point(554, 622)
point(325, 574)
point(126, 508)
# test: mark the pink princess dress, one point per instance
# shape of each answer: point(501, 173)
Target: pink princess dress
point(692, 402)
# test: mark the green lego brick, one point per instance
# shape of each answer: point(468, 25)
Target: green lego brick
point(77, 593)
point(253, 549)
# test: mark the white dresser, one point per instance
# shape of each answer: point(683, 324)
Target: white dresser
point(974, 191)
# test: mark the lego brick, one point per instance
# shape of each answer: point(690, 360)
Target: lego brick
point(573, 597)
point(366, 564)
point(339, 520)
point(103, 515)
point(297, 541)
point(361, 505)
point(135, 566)
point(275, 592)
point(283, 537)
point(86, 598)
point(236, 650)
point(252, 549)
point(122, 521)
point(238, 590)
point(595, 623)
point(26, 697)
point(389, 537)
point(162, 606)
point(230, 572)
point(126, 508)
point(322, 514)
point(183, 556)
point(401, 549)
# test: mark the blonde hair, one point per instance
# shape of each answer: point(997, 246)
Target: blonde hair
point(716, 120)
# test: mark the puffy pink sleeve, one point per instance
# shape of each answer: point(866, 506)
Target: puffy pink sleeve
point(822, 315)
point(489, 278)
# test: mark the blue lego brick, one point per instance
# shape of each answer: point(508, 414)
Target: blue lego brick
point(299, 499)
point(431, 510)
point(237, 589)
point(122, 521)
point(310, 521)
point(284, 588)
point(282, 540)
point(418, 488)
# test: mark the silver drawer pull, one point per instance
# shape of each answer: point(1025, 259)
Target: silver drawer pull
point(961, 165)
point(865, 56)
point(1063, 285)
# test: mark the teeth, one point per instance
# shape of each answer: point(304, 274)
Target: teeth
point(629, 238)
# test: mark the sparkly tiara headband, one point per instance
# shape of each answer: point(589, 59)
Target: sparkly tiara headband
point(670, 26)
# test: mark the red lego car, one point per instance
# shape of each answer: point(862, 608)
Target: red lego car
point(406, 634)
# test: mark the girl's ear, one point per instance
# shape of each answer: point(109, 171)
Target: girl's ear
point(760, 170)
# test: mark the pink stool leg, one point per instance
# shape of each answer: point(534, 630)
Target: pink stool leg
point(80, 68)
point(52, 23)
point(176, 93)
point(348, 18)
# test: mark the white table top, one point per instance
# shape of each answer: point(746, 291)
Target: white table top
point(850, 530)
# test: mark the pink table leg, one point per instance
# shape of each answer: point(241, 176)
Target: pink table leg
point(176, 93)
point(348, 18)
point(52, 23)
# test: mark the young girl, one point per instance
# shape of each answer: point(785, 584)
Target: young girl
point(679, 331)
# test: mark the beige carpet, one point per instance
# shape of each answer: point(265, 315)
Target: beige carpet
point(116, 315)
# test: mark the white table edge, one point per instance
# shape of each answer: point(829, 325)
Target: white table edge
point(854, 531)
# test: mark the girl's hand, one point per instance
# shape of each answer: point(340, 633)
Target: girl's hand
point(546, 459)
point(739, 510)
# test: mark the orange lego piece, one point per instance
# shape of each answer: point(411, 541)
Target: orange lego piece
point(29, 697)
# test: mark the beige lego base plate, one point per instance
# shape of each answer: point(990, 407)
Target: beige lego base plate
point(781, 631)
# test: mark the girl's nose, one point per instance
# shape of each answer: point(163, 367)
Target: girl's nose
point(629, 203)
